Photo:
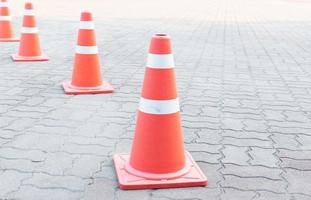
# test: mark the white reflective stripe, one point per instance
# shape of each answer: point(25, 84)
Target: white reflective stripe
point(87, 49)
point(164, 61)
point(86, 25)
point(29, 12)
point(159, 107)
point(4, 4)
point(5, 18)
point(30, 30)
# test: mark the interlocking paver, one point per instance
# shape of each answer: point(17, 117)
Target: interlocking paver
point(244, 81)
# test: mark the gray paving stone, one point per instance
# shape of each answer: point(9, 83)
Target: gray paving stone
point(99, 189)
point(264, 157)
point(297, 183)
point(254, 184)
point(234, 194)
point(10, 181)
point(34, 193)
point(244, 82)
point(235, 155)
point(70, 183)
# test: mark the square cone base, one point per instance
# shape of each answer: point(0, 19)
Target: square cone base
point(18, 58)
point(9, 40)
point(127, 181)
point(104, 88)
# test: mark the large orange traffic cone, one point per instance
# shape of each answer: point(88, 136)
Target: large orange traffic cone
point(6, 28)
point(29, 49)
point(158, 158)
point(86, 76)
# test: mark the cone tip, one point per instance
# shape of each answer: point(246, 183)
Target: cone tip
point(160, 44)
point(160, 35)
point(28, 5)
point(86, 16)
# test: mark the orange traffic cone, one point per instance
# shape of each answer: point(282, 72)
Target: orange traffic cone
point(86, 76)
point(158, 158)
point(29, 49)
point(6, 29)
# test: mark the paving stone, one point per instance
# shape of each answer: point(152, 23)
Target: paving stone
point(285, 141)
point(11, 180)
point(270, 195)
point(297, 183)
point(13, 153)
point(128, 195)
point(187, 193)
point(274, 115)
point(99, 189)
point(234, 194)
point(45, 181)
point(265, 157)
point(255, 125)
point(235, 155)
point(255, 184)
point(27, 193)
point(232, 124)
point(85, 166)
point(244, 85)
point(252, 172)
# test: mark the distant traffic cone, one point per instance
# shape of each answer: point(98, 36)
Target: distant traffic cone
point(6, 28)
point(86, 76)
point(29, 49)
point(158, 158)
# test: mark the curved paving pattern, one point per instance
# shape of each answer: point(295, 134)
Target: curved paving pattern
point(244, 78)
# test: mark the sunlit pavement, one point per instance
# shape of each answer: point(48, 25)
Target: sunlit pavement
point(243, 69)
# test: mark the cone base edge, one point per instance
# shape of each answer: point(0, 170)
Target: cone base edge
point(9, 40)
point(127, 181)
point(105, 88)
point(18, 58)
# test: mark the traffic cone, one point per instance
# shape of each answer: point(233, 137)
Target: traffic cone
point(86, 76)
point(158, 158)
point(29, 49)
point(6, 28)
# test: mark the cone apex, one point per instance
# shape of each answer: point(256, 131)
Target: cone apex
point(160, 44)
point(86, 16)
point(28, 5)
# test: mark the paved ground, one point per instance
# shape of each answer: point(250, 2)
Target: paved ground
point(244, 78)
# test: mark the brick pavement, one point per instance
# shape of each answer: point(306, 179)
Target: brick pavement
point(244, 79)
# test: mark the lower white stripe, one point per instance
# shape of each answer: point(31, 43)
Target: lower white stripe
point(164, 61)
point(86, 25)
point(29, 12)
point(5, 18)
point(87, 50)
point(30, 30)
point(4, 4)
point(159, 107)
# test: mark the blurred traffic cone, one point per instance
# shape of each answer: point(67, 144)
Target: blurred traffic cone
point(158, 158)
point(86, 76)
point(6, 29)
point(29, 49)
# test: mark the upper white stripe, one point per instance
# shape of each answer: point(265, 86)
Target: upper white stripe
point(164, 61)
point(4, 4)
point(86, 25)
point(159, 107)
point(30, 30)
point(29, 12)
point(5, 18)
point(86, 49)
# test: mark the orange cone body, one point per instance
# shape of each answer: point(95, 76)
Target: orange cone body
point(158, 158)
point(29, 49)
point(6, 29)
point(86, 76)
